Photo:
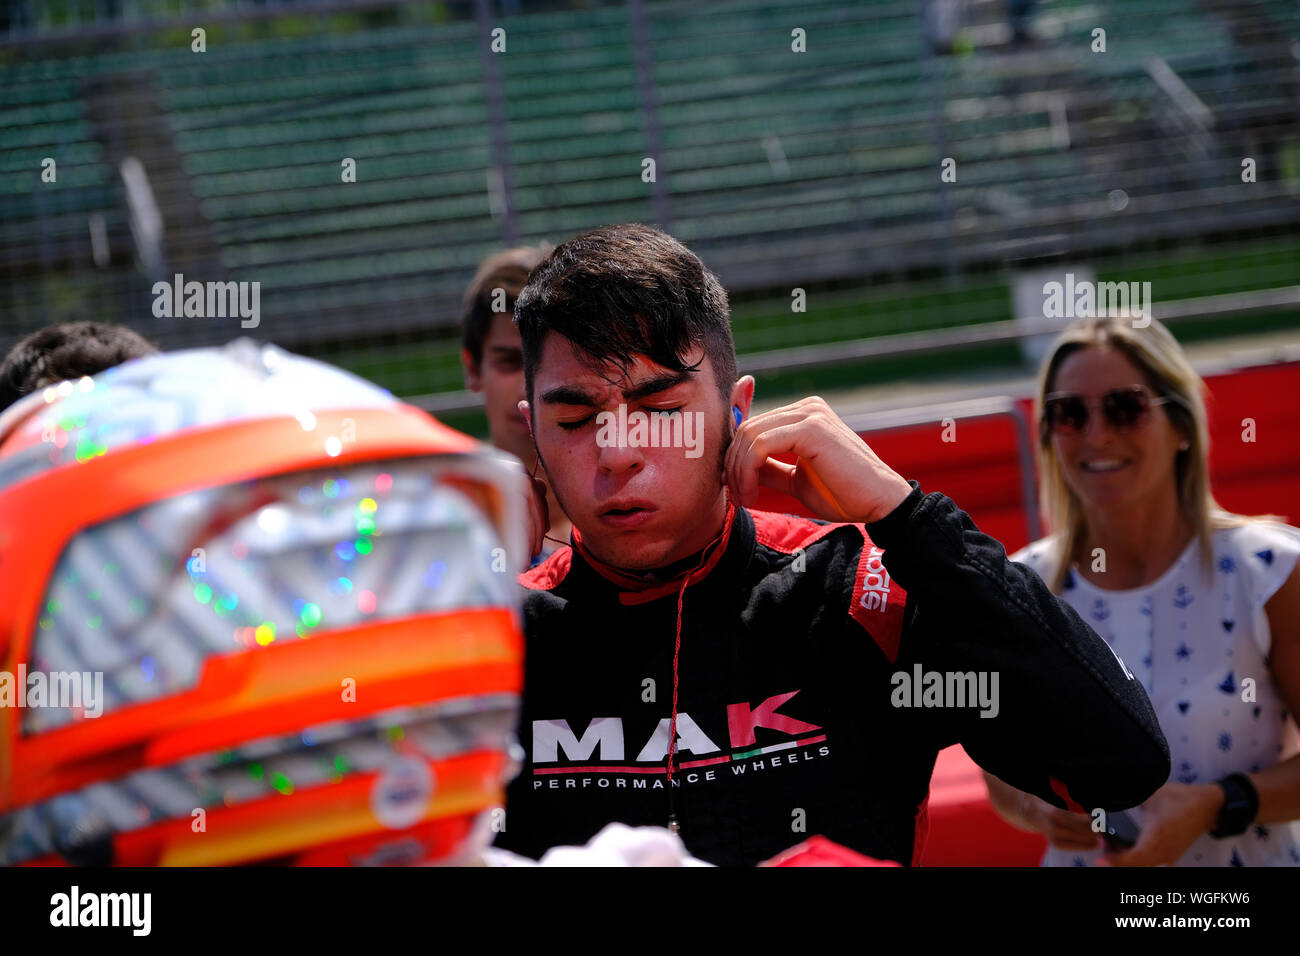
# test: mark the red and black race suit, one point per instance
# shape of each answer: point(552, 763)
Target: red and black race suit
point(794, 717)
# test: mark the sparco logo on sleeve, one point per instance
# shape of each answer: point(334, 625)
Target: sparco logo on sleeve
point(878, 600)
point(875, 584)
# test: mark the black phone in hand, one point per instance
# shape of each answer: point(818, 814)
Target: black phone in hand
point(1121, 831)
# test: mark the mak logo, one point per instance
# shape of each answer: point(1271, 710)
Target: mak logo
point(604, 738)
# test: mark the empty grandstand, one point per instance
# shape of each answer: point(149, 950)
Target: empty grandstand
point(793, 145)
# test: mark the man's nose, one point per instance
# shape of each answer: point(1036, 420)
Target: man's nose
point(615, 457)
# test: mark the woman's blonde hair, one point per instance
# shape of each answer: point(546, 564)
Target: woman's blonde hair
point(1157, 353)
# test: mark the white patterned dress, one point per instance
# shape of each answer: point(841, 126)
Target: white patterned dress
point(1193, 638)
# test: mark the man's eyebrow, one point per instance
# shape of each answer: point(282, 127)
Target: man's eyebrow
point(573, 395)
point(567, 395)
point(507, 349)
point(660, 383)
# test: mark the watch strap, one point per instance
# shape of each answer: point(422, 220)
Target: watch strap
point(1240, 806)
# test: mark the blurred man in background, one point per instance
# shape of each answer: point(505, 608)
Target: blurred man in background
point(494, 363)
point(64, 351)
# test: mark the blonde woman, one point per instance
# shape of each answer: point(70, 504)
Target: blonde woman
point(1201, 605)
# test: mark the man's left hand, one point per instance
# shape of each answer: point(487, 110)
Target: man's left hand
point(837, 476)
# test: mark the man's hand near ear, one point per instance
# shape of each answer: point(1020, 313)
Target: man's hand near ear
point(836, 475)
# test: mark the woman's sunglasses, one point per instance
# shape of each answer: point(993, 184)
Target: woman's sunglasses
point(1122, 408)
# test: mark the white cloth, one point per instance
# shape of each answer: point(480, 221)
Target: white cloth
point(616, 845)
point(1192, 637)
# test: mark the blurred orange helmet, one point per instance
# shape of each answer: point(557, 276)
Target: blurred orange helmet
point(252, 609)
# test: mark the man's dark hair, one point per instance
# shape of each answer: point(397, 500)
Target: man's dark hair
point(67, 350)
point(507, 271)
point(625, 290)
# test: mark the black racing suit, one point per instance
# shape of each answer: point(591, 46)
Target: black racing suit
point(818, 679)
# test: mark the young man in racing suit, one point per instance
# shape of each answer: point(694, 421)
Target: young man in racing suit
point(747, 678)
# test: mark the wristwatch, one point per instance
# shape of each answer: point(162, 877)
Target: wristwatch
point(1240, 806)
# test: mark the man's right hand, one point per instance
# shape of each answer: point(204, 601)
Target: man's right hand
point(1064, 829)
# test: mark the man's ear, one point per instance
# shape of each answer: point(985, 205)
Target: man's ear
point(473, 374)
point(526, 411)
point(742, 394)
